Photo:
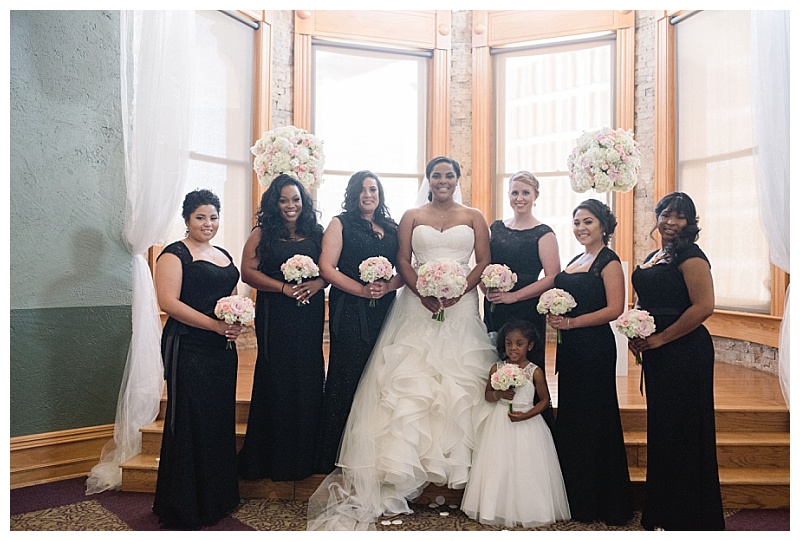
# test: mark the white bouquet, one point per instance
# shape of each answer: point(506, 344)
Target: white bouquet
point(636, 324)
point(299, 267)
point(235, 309)
point(443, 279)
point(499, 277)
point(605, 160)
point(373, 269)
point(557, 302)
point(506, 376)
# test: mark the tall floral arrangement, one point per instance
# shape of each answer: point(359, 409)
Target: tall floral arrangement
point(292, 151)
point(606, 160)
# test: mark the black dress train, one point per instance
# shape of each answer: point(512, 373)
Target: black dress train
point(287, 384)
point(588, 432)
point(197, 481)
point(354, 328)
point(682, 490)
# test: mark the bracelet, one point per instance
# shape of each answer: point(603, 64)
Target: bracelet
point(282, 286)
point(568, 320)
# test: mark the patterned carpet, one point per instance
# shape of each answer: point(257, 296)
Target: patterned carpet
point(62, 506)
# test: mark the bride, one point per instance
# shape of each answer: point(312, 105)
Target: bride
point(420, 398)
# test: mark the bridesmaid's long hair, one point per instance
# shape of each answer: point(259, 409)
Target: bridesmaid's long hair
point(269, 220)
point(682, 204)
point(352, 208)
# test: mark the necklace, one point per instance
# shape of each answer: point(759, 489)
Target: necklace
point(659, 257)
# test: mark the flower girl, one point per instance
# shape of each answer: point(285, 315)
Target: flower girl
point(515, 478)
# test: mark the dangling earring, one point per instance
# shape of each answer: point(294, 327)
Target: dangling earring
point(186, 233)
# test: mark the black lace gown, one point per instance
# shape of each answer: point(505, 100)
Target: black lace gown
point(588, 431)
point(354, 328)
point(519, 249)
point(682, 491)
point(197, 481)
point(287, 384)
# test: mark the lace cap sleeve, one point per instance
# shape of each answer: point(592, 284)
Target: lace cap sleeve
point(179, 249)
point(606, 256)
point(691, 251)
point(224, 251)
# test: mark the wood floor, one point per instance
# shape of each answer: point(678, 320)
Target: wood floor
point(752, 438)
point(734, 386)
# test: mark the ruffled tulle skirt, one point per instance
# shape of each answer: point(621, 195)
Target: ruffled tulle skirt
point(413, 417)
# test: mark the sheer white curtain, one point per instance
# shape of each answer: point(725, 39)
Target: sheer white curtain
point(156, 114)
point(769, 50)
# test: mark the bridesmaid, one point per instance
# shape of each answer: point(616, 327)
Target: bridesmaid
point(365, 229)
point(588, 430)
point(674, 284)
point(287, 385)
point(527, 246)
point(197, 483)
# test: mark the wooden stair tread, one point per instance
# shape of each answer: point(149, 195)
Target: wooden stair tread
point(723, 438)
point(734, 476)
point(142, 461)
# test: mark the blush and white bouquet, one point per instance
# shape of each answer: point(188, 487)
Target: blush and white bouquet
point(557, 302)
point(235, 309)
point(506, 376)
point(499, 277)
point(443, 279)
point(606, 160)
point(636, 324)
point(298, 268)
point(375, 268)
point(292, 151)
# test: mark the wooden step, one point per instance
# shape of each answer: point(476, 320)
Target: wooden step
point(768, 450)
point(242, 410)
point(151, 436)
point(742, 488)
point(727, 419)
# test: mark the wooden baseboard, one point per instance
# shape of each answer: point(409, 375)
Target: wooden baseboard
point(52, 456)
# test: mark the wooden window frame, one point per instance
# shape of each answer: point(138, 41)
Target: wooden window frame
point(498, 28)
point(758, 328)
point(417, 30)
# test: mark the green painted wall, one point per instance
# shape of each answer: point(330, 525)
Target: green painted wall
point(70, 272)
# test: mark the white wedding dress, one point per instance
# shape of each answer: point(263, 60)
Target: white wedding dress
point(418, 403)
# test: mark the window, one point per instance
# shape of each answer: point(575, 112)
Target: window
point(715, 163)
point(368, 106)
point(221, 132)
point(546, 97)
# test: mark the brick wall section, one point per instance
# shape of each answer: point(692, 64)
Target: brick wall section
point(461, 97)
point(738, 352)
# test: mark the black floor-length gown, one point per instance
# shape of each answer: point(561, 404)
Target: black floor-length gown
point(197, 481)
point(682, 491)
point(588, 430)
point(354, 327)
point(519, 250)
point(287, 384)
